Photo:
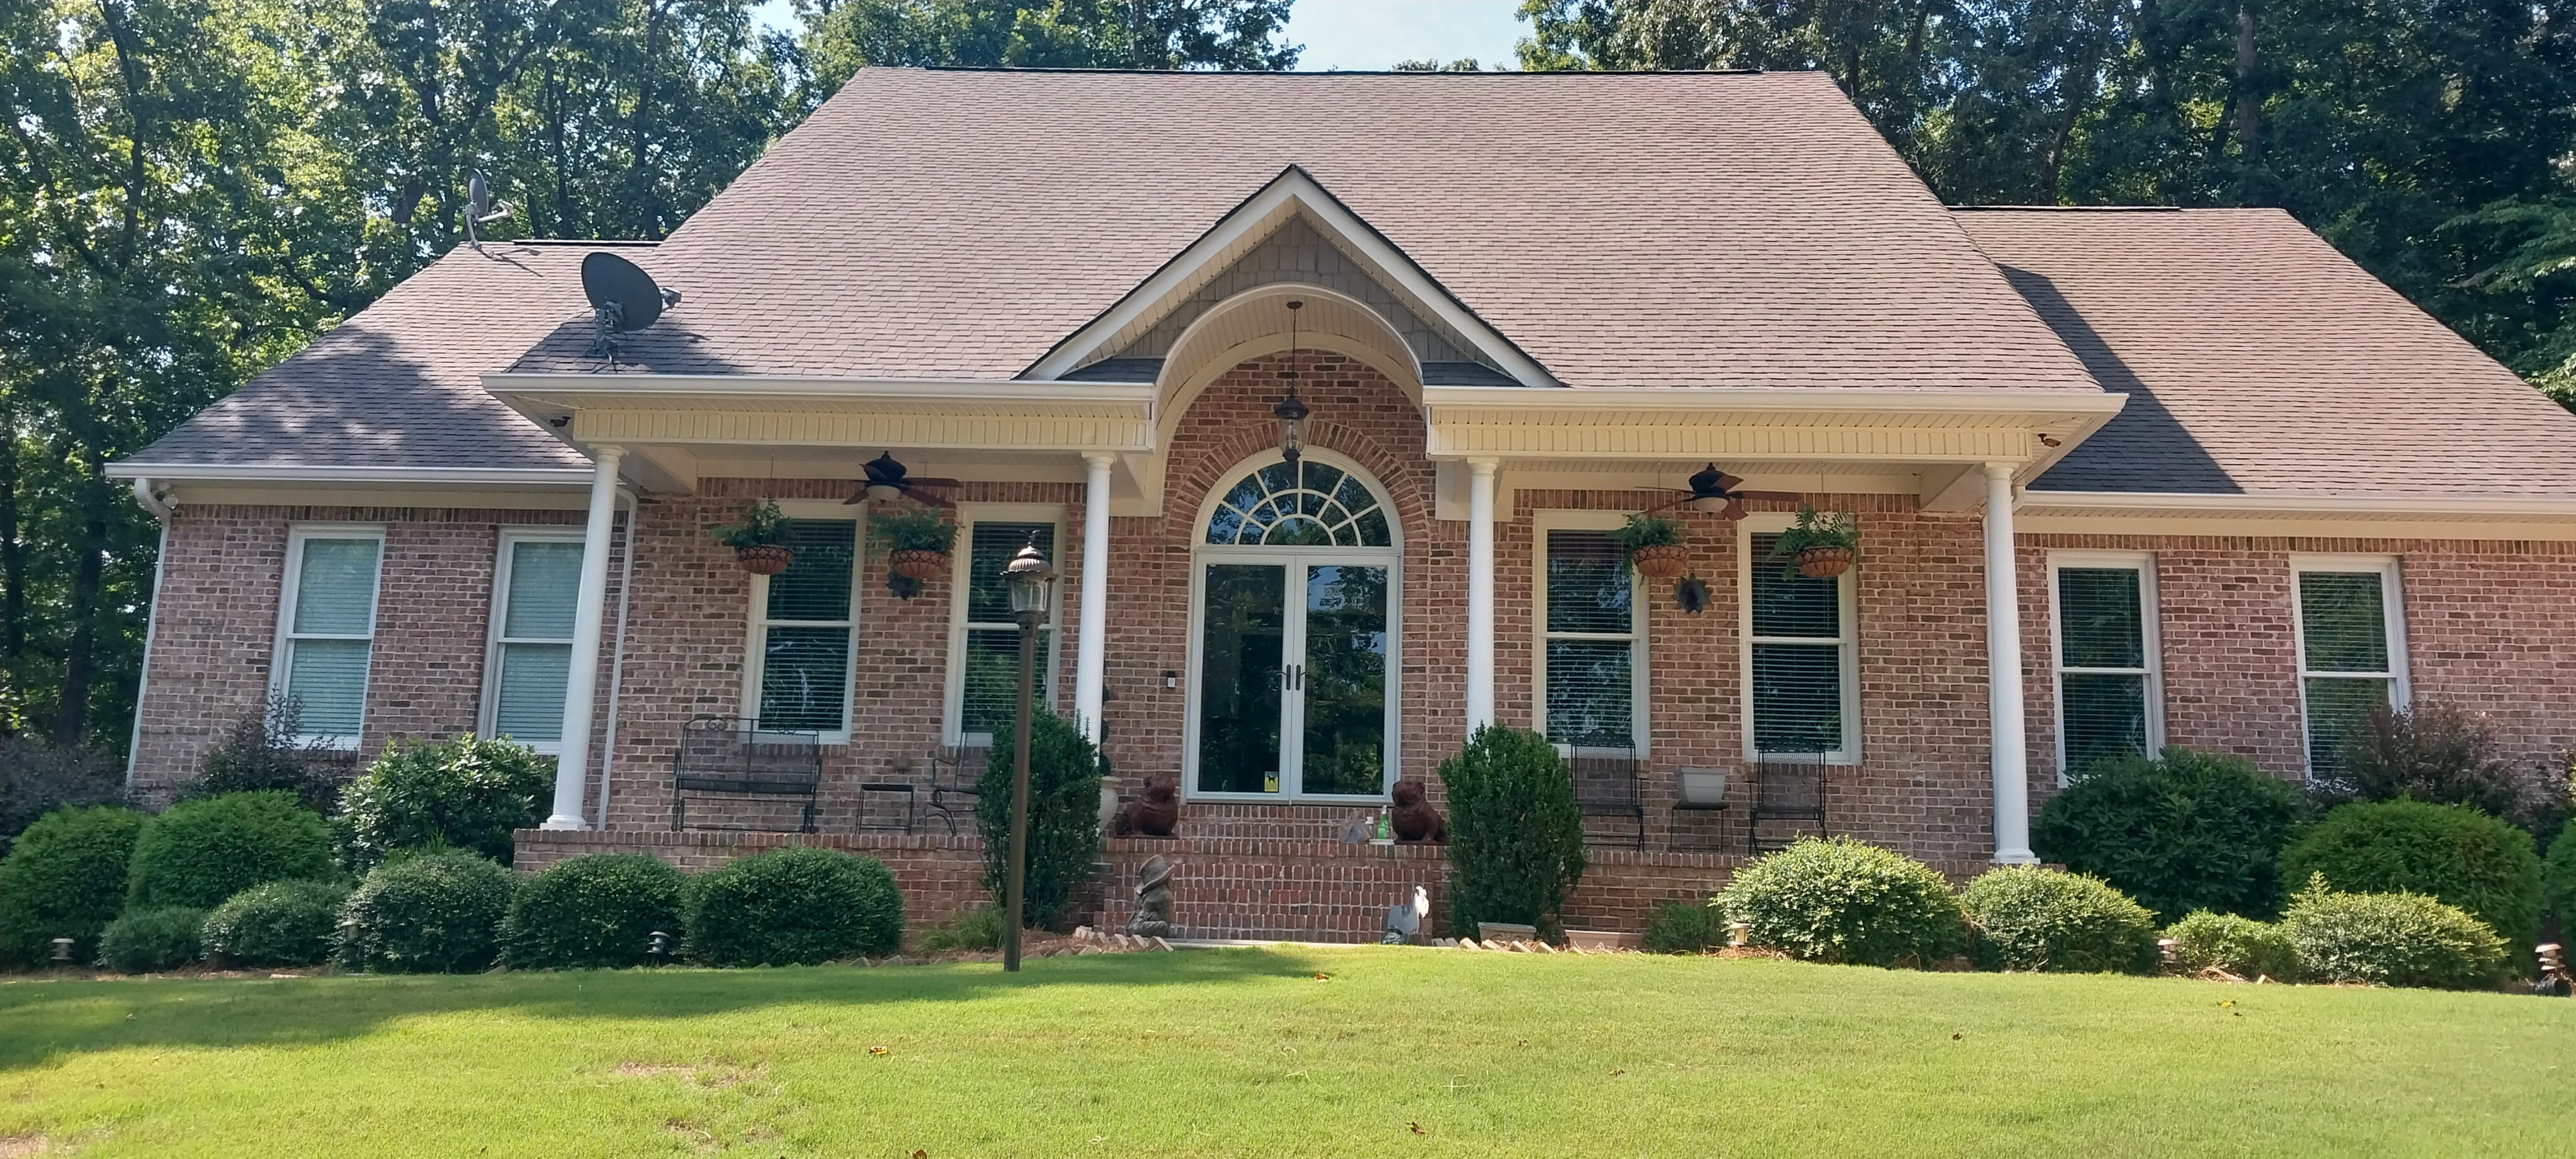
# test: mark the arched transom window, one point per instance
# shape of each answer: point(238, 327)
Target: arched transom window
point(1307, 504)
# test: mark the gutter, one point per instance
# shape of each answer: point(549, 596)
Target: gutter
point(2518, 505)
point(299, 473)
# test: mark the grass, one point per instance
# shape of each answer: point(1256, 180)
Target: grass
point(1244, 1052)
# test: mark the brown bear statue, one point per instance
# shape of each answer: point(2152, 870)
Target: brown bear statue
point(1154, 814)
point(1415, 819)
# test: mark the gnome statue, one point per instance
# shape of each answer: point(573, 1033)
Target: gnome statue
point(1153, 899)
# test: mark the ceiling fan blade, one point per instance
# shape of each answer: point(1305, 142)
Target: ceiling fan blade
point(1772, 496)
point(914, 491)
point(1734, 511)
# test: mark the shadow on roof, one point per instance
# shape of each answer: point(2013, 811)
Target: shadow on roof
point(2144, 440)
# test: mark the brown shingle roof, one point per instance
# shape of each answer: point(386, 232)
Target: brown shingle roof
point(2259, 360)
point(1680, 229)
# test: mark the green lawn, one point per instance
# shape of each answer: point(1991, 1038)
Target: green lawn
point(1244, 1052)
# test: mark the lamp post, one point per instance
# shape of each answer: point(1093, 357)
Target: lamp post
point(1032, 587)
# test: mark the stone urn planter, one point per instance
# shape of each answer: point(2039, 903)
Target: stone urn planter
point(1660, 562)
point(765, 558)
point(1824, 562)
point(914, 564)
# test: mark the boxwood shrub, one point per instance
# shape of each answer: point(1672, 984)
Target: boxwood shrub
point(282, 923)
point(65, 878)
point(600, 910)
point(2390, 939)
point(2183, 831)
point(2023, 917)
point(2558, 876)
point(797, 905)
point(1838, 900)
point(439, 914)
point(1515, 832)
point(1684, 927)
point(468, 793)
point(1064, 816)
point(2234, 943)
point(201, 852)
point(142, 941)
point(2451, 852)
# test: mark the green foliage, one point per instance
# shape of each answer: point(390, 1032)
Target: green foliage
point(2184, 831)
point(37, 777)
point(596, 911)
point(2444, 755)
point(763, 525)
point(1064, 815)
point(1643, 530)
point(1515, 834)
point(2450, 852)
point(2558, 876)
point(1243, 35)
point(1811, 530)
point(2239, 945)
point(65, 878)
point(1684, 927)
point(2390, 939)
point(438, 914)
point(912, 529)
point(261, 751)
point(1838, 900)
point(282, 923)
point(793, 906)
point(144, 941)
point(201, 852)
point(467, 792)
point(979, 928)
point(2029, 918)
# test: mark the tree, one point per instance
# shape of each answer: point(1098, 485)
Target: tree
point(842, 35)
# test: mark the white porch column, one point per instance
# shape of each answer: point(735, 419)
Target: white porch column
point(582, 686)
point(1091, 647)
point(1480, 593)
point(2003, 674)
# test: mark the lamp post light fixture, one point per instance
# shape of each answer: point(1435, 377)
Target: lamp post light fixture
point(1291, 410)
point(1032, 588)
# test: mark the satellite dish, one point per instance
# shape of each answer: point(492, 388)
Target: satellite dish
point(479, 208)
point(623, 299)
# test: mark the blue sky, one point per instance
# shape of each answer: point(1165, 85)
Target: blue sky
point(1366, 34)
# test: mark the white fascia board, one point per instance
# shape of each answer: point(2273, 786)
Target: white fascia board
point(2521, 506)
point(1291, 186)
point(1846, 400)
point(746, 387)
point(285, 473)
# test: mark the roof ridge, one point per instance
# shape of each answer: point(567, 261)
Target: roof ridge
point(1252, 72)
point(2067, 209)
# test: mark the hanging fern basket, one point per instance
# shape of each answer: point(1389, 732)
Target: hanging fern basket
point(765, 559)
point(1660, 562)
point(1824, 562)
point(915, 564)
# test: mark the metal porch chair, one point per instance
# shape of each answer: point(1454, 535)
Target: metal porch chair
point(1789, 788)
point(953, 788)
point(729, 756)
point(1605, 788)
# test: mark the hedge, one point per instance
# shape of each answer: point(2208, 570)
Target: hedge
point(797, 905)
point(201, 852)
point(468, 793)
point(65, 877)
point(437, 914)
point(2028, 918)
point(2184, 831)
point(1515, 833)
point(2239, 945)
point(143, 941)
point(1838, 900)
point(282, 923)
point(595, 911)
point(1064, 816)
point(2452, 852)
point(2390, 939)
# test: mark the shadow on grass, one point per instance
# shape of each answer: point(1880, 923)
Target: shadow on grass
point(44, 1020)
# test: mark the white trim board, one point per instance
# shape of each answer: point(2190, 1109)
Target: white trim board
point(1641, 650)
point(2151, 641)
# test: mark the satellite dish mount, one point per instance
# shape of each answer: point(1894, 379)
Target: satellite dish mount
point(480, 209)
point(623, 299)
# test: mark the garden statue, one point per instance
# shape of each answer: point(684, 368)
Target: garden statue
point(1358, 831)
point(1153, 899)
point(1404, 918)
point(1415, 819)
point(1155, 813)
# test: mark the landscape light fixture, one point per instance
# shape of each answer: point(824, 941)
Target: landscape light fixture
point(1032, 588)
point(1291, 410)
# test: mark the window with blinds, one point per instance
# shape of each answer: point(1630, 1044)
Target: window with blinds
point(985, 638)
point(2351, 651)
point(328, 630)
point(1592, 640)
point(805, 629)
point(1798, 658)
point(2108, 687)
point(535, 588)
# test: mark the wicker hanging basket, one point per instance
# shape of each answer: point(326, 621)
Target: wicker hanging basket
point(915, 564)
point(1660, 562)
point(1824, 562)
point(765, 559)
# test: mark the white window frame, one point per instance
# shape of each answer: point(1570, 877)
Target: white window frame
point(953, 698)
point(487, 718)
point(1639, 688)
point(1846, 588)
point(2151, 640)
point(755, 640)
point(2392, 620)
point(291, 586)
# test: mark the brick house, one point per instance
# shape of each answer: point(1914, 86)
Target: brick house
point(2123, 478)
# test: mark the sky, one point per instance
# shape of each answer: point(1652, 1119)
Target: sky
point(1363, 34)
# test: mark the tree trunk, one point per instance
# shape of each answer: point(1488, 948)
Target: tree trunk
point(2249, 104)
point(80, 659)
point(13, 579)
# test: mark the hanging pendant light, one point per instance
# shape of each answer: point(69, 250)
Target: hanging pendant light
point(1291, 410)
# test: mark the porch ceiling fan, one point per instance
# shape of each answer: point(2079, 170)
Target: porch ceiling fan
point(887, 479)
point(1714, 490)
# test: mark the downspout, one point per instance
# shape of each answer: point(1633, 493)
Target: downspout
point(151, 621)
point(617, 652)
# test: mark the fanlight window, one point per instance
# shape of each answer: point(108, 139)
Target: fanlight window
point(1303, 504)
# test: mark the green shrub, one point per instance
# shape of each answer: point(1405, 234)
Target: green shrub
point(261, 751)
point(1064, 815)
point(1684, 927)
point(145, 941)
point(2239, 945)
point(2181, 832)
point(282, 923)
point(468, 792)
point(600, 910)
point(202, 852)
point(796, 905)
point(2029, 918)
point(1515, 835)
point(1838, 900)
point(65, 878)
point(37, 777)
point(2390, 939)
point(2451, 852)
point(979, 928)
point(2558, 876)
point(2442, 755)
point(427, 915)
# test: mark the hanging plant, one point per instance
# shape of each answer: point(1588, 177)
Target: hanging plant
point(1819, 546)
point(917, 542)
point(759, 542)
point(1653, 545)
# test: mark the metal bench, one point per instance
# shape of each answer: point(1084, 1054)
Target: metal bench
point(1605, 787)
point(1786, 789)
point(731, 756)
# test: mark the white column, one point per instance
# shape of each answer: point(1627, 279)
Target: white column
point(582, 685)
point(2003, 674)
point(1480, 594)
point(1091, 647)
